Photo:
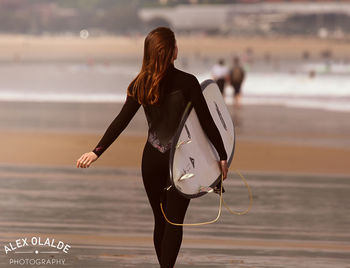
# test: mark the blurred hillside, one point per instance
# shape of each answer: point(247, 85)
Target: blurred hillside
point(325, 19)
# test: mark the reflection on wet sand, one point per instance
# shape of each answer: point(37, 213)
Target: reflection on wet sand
point(103, 213)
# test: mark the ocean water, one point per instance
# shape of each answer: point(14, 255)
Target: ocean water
point(78, 82)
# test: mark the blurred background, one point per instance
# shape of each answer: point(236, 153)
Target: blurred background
point(88, 51)
point(65, 66)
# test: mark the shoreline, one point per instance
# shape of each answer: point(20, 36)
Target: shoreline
point(119, 100)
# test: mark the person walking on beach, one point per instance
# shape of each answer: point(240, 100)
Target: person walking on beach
point(219, 73)
point(237, 75)
point(163, 91)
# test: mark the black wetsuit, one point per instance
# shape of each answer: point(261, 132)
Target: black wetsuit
point(177, 89)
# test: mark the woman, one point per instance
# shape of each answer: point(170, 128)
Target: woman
point(163, 91)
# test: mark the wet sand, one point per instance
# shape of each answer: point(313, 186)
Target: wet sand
point(295, 160)
point(103, 214)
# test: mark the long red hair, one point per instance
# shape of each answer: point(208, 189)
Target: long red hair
point(159, 50)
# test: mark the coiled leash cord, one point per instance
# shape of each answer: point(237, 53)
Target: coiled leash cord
point(220, 206)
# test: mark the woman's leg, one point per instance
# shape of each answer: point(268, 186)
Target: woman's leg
point(175, 211)
point(154, 174)
point(221, 84)
point(167, 238)
point(237, 88)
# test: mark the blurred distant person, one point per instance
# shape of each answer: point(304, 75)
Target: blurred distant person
point(220, 74)
point(237, 75)
point(312, 74)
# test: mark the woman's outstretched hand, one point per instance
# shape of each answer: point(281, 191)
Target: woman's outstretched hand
point(224, 168)
point(86, 159)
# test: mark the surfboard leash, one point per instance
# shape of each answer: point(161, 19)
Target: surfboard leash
point(220, 206)
point(250, 198)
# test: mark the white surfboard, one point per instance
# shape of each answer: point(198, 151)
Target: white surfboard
point(194, 168)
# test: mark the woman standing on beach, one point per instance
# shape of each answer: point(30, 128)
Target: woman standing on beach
point(163, 91)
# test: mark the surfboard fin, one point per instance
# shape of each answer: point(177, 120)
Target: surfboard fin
point(206, 189)
point(183, 143)
point(186, 176)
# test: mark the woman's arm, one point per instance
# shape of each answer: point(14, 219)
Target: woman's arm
point(205, 118)
point(117, 126)
point(127, 112)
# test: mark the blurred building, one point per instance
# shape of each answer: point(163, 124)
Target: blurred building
point(260, 18)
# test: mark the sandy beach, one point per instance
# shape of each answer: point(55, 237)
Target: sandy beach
point(294, 159)
point(64, 149)
point(312, 141)
point(298, 172)
point(30, 48)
